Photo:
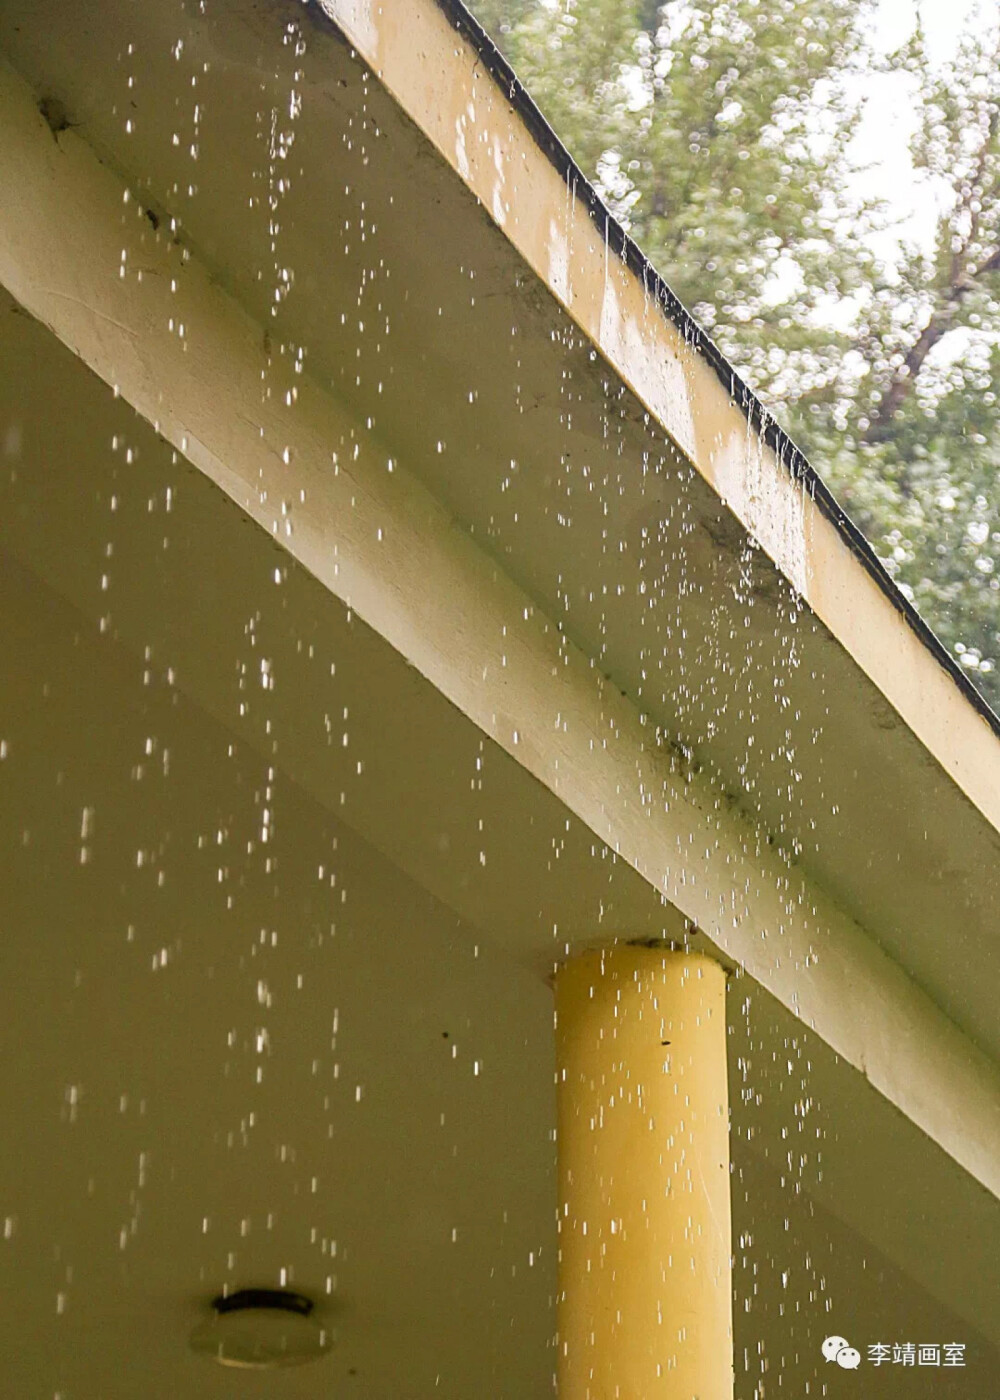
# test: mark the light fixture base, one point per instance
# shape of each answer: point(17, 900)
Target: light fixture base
point(261, 1329)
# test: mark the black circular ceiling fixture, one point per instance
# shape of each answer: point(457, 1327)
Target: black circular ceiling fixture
point(262, 1329)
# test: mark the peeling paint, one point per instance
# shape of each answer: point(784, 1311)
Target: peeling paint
point(497, 203)
point(461, 154)
point(768, 501)
point(558, 269)
point(630, 344)
point(773, 509)
point(359, 18)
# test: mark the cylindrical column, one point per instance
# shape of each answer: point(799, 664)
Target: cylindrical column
point(645, 1273)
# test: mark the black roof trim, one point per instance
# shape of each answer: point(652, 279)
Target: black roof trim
point(758, 416)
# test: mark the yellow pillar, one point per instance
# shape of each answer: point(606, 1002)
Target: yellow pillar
point(645, 1273)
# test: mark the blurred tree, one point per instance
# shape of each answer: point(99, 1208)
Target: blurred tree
point(718, 132)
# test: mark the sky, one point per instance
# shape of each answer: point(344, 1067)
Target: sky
point(943, 20)
point(884, 133)
point(881, 146)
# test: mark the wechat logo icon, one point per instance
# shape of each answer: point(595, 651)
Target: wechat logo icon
point(840, 1350)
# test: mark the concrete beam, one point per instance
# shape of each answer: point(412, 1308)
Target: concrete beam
point(148, 319)
point(437, 76)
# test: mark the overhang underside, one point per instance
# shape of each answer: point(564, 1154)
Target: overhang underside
point(417, 316)
point(142, 1118)
point(415, 889)
point(420, 314)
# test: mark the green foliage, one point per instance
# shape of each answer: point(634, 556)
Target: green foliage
point(719, 132)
